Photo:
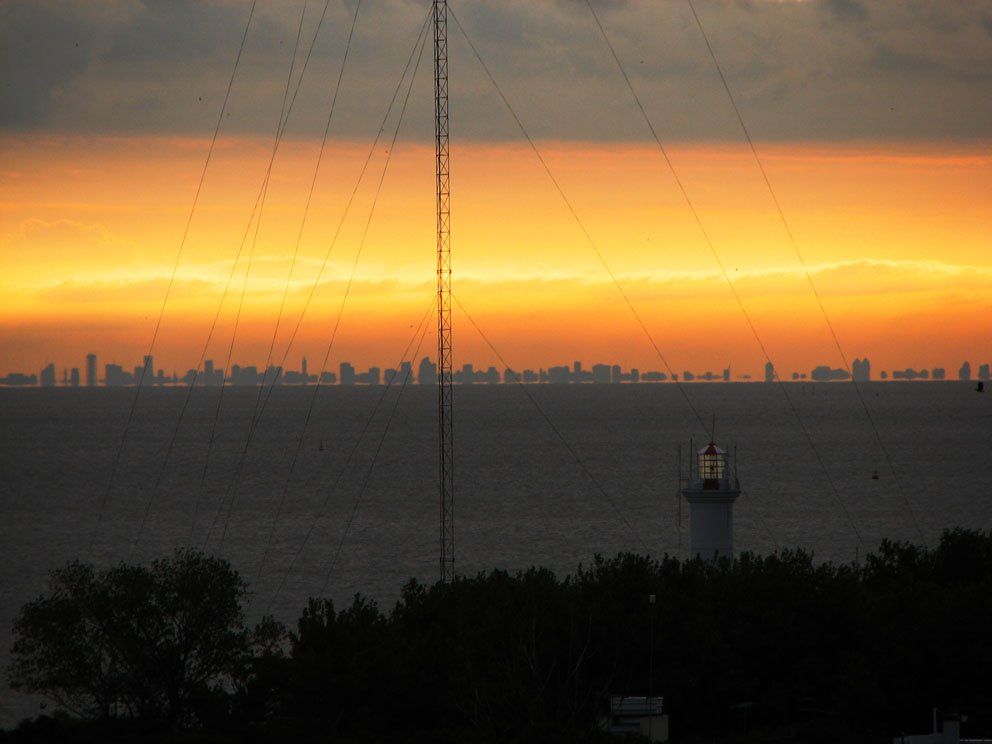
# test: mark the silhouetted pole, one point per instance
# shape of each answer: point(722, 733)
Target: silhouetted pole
point(445, 459)
point(650, 709)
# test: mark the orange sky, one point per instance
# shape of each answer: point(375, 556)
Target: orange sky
point(896, 239)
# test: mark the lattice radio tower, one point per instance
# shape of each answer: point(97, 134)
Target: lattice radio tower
point(445, 458)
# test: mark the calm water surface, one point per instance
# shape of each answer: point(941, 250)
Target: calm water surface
point(348, 502)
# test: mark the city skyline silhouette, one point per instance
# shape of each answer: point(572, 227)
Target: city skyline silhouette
point(887, 201)
point(145, 374)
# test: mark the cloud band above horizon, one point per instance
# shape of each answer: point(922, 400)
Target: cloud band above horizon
point(812, 70)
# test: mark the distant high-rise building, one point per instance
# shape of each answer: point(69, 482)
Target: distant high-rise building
point(244, 375)
point(19, 378)
point(426, 372)
point(983, 372)
point(559, 375)
point(74, 377)
point(406, 373)
point(769, 372)
point(965, 372)
point(115, 376)
point(825, 373)
point(91, 370)
point(347, 374)
point(48, 376)
point(861, 370)
point(272, 375)
point(601, 373)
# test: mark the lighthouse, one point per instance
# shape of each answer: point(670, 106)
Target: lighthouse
point(711, 490)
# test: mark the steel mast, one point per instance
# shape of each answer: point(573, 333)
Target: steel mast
point(445, 458)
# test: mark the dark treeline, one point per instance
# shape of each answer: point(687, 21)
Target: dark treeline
point(775, 648)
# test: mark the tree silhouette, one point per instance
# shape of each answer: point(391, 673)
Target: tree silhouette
point(153, 643)
point(756, 648)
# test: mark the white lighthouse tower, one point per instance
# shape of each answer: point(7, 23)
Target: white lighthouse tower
point(711, 491)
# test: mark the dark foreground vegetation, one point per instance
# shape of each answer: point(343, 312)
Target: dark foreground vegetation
point(771, 648)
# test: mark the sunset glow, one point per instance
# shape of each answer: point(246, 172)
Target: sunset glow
point(893, 239)
point(871, 127)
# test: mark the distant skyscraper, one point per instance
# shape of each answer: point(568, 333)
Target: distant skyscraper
point(601, 373)
point(426, 372)
point(769, 372)
point(965, 372)
point(983, 372)
point(74, 377)
point(825, 373)
point(559, 375)
point(861, 370)
point(347, 374)
point(91, 370)
point(114, 375)
point(272, 375)
point(48, 376)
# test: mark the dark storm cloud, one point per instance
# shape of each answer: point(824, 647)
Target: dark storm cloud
point(823, 69)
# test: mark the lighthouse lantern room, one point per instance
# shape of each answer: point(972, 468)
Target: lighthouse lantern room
point(711, 492)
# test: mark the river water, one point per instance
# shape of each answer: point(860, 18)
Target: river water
point(346, 500)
